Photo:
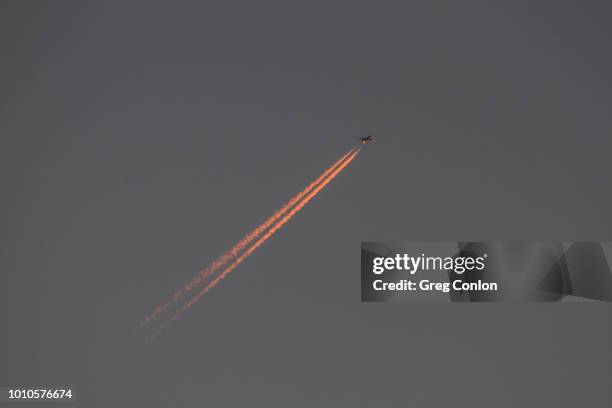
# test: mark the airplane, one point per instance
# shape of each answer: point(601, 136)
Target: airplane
point(367, 139)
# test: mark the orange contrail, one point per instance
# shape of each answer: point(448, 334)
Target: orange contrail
point(240, 245)
point(266, 236)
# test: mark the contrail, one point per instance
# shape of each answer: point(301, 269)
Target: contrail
point(240, 245)
point(265, 237)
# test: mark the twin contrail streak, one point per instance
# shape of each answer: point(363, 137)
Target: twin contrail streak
point(267, 235)
point(296, 203)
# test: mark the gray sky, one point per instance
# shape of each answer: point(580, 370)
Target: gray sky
point(141, 140)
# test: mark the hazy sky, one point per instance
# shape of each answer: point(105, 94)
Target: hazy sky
point(139, 141)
